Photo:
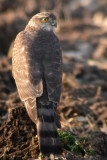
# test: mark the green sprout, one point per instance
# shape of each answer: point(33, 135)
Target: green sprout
point(41, 155)
point(70, 142)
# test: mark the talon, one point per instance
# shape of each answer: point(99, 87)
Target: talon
point(52, 157)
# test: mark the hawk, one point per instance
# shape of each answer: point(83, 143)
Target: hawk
point(37, 70)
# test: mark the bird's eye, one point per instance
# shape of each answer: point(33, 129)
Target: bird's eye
point(45, 19)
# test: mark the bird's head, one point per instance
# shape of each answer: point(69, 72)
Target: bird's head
point(43, 20)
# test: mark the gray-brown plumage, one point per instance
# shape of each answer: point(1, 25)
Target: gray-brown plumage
point(37, 70)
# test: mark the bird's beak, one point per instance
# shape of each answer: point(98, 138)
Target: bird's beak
point(54, 23)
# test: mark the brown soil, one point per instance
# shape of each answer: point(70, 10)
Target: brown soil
point(83, 112)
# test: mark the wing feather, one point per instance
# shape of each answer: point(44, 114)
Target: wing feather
point(27, 75)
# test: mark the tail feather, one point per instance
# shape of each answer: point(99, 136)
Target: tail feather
point(31, 108)
point(47, 131)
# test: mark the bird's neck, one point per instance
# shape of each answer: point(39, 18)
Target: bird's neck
point(37, 28)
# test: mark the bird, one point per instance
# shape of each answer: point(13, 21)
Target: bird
point(37, 71)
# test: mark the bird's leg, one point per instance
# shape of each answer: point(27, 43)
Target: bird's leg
point(52, 157)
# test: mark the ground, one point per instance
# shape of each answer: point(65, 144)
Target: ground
point(82, 108)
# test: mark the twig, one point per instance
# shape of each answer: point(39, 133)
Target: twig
point(98, 92)
point(24, 150)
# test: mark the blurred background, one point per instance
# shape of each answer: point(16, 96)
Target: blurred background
point(82, 31)
point(82, 24)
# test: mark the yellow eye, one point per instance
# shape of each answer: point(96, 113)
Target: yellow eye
point(45, 19)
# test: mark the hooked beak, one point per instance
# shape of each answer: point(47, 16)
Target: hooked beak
point(54, 23)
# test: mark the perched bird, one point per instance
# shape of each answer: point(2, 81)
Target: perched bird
point(37, 70)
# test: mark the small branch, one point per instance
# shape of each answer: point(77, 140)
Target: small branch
point(31, 148)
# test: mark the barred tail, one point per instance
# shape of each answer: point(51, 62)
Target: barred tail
point(47, 132)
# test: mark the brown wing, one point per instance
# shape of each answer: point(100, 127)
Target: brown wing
point(28, 76)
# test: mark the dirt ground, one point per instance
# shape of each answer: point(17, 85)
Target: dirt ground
point(82, 108)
